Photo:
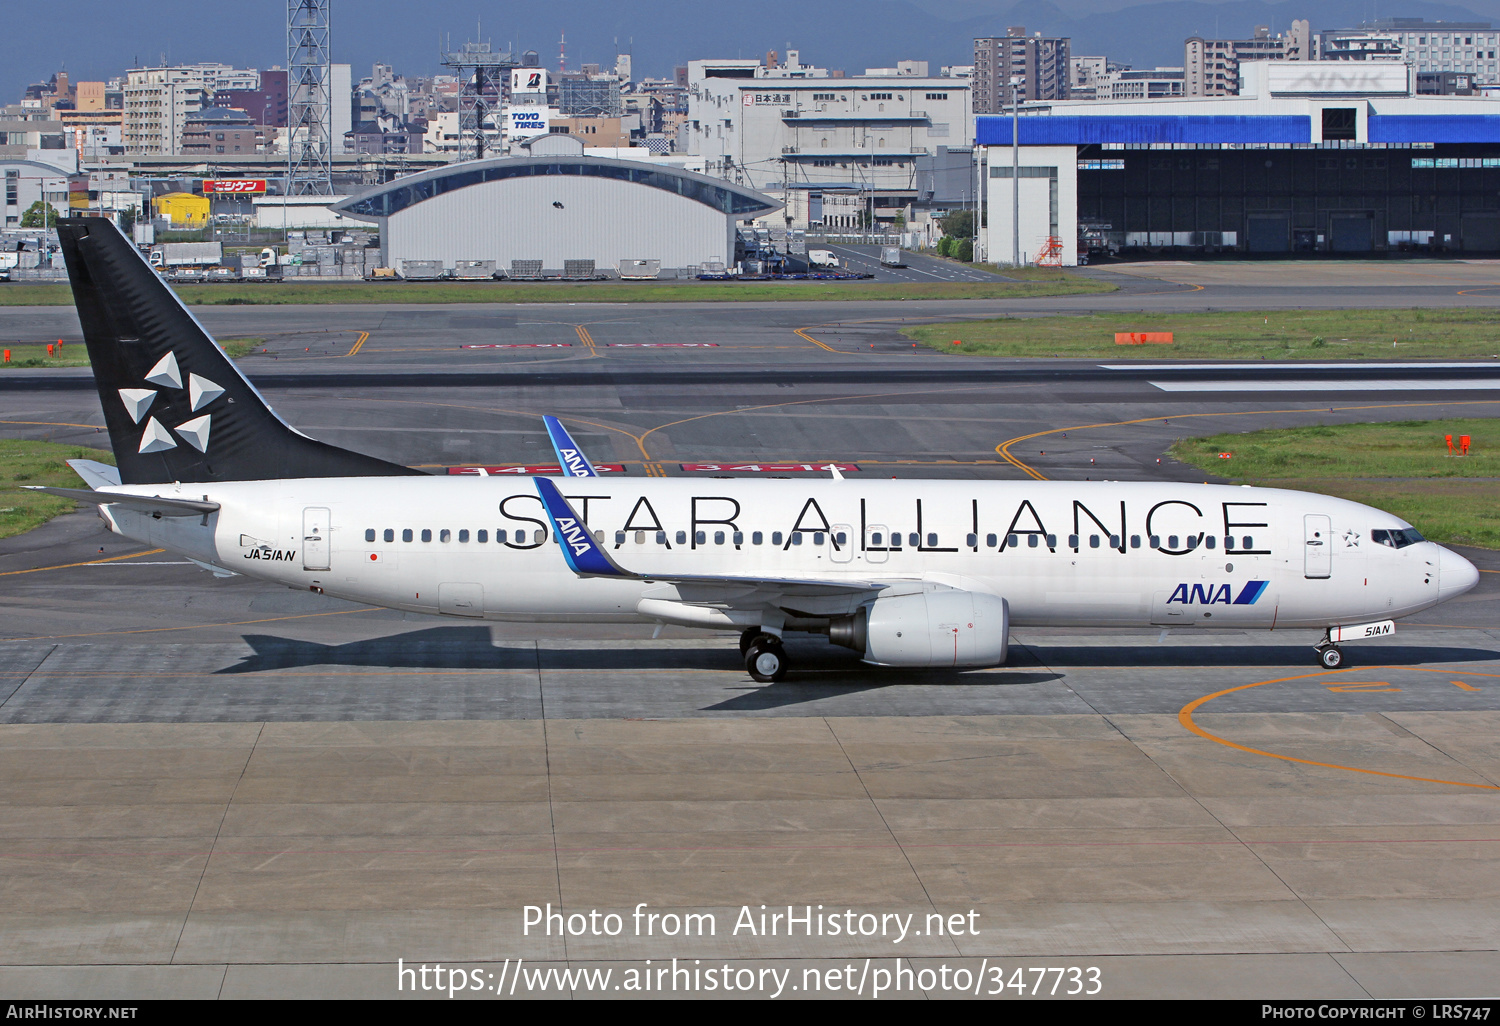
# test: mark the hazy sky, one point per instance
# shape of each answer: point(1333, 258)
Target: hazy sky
point(96, 40)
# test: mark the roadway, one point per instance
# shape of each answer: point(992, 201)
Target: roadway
point(217, 788)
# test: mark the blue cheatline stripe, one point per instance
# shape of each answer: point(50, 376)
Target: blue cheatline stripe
point(1250, 592)
point(571, 458)
point(1434, 128)
point(578, 547)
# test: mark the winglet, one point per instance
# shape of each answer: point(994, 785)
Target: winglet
point(585, 557)
point(574, 463)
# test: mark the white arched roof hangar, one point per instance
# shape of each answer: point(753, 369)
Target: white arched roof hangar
point(557, 208)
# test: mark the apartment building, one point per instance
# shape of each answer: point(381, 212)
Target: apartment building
point(1211, 67)
point(1039, 66)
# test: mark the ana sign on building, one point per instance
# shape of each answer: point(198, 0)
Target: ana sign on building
point(1346, 78)
point(522, 122)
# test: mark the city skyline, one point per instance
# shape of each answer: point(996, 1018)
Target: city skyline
point(105, 41)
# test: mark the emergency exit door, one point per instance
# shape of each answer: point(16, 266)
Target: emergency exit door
point(1317, 545)
point(315, 538)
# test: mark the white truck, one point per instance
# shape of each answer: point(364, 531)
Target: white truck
point(891, 256)
point(822, 258)
point(183, 256)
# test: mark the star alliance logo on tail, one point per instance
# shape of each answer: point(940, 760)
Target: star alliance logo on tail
point(1218, 594)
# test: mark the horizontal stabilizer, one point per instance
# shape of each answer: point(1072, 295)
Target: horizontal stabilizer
point(96, 474)
point(154, 504)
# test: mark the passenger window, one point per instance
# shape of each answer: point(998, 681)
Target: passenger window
point(640, 537)
point(1247, 542)
point(1155, 541)
point(895, 542)
point(661, 537)
point(463, 536)
point(1209, 541)
point(1114, 541)
point(1192, 542)
point(1135, 541)
point(1072, 541)
point(406, 535)
point(971, 540)
point(875, 539)
point(1093, 541)
point(817, 537)
point(699, 537)
point(500, 537)
point(796, 537)
point(1032, 539)
point(1172, 541)
point(619, 538)
point(718, 537)
point(599, 536)
point(739, 538)
point(1051, 541)
point(991, 540)
point(775, 537)
point(390, 535)
point(426, 534)
point(445, 535)
point(538, 536)
point(756, 537)
point(481, 536)
point(369, 534)
point(841, 539)
point(1229, 543)
point(914, 540)
point(681, 537)
point(1012, 540)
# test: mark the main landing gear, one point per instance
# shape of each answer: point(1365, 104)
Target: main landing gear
point(765, 658)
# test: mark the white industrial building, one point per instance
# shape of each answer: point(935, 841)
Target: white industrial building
point(556, 205)
point(1311, 157)
point(787, 128)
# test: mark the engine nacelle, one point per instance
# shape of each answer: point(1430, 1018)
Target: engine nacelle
point(935, 628)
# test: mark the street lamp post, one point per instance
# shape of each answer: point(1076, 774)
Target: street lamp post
point(1015, 172)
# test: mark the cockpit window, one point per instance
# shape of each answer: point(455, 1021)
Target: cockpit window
point(1396, 538)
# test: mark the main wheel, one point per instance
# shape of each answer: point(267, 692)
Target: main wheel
point(766, 663)
point(747, 638)
point(1331, 657)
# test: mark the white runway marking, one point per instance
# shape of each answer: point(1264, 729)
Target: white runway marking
point(1373, 385)
point(1259, 366)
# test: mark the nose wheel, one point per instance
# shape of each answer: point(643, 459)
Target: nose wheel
point(1330, 657)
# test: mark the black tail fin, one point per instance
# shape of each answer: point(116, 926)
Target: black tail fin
point(176, 407)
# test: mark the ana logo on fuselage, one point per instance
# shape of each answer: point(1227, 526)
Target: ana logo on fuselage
point(1217, 594)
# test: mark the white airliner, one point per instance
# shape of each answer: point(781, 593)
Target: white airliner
point(906, 573)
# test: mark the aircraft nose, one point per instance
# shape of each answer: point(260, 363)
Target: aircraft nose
point(1456, 574)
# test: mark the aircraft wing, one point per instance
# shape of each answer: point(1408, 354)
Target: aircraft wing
point(571, 458)
point(155, 504)
point(587, 558)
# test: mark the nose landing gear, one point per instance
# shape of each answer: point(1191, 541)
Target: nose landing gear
point(1330, 656)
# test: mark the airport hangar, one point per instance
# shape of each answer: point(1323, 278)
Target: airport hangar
point(1312, 158)
point(556, 205)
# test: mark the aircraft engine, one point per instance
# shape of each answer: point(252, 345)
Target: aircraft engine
point(935, 628)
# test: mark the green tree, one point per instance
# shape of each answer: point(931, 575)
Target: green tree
point(965, 251)
point(959, 224)
point(39, 215)
point(900, 221)
point(127, 220)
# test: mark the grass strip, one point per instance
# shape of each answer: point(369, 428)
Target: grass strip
point(1231, 335)
point(1402, 467)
